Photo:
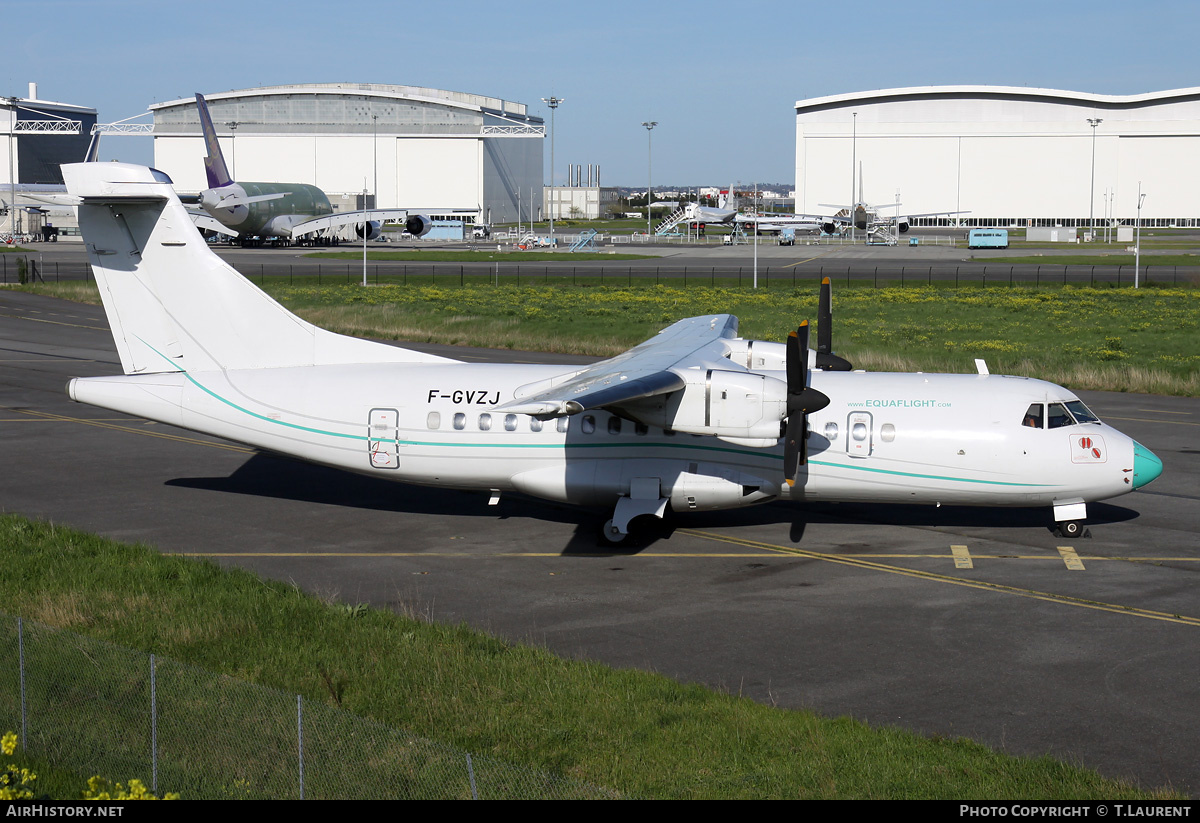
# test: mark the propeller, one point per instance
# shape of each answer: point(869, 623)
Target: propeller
point(826, 360)
point(802, 400)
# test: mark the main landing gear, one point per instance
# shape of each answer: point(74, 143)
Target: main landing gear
point(644, 498)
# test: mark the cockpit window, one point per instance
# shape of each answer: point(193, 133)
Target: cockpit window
point(1081, 412)
point(1033, 416)
point(1058, 416)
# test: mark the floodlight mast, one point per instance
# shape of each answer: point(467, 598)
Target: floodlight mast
point(1093, 122)
point(553, 102)
point(1137, 246)
point(649, 161)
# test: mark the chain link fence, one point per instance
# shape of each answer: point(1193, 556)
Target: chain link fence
point(23, 269)
point(95, 708)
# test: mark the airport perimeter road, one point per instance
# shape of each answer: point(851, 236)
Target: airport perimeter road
point(958, 622)
point(776, 266)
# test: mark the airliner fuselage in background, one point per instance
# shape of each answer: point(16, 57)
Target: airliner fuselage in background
point(695, 418)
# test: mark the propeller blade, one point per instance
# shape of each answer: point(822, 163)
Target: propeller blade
point(794, 451)
point(797, 361)
point(826, 360)
point(825, 319)
point(802, 399)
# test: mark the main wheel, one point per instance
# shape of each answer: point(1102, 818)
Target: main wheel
point(612, 534)
point(1070, 528)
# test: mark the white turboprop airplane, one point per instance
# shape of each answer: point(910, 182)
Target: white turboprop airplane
point(692, 418)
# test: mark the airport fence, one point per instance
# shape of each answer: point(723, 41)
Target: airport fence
point(94, 708)
point(861, 273)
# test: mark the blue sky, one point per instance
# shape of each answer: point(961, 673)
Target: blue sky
point(720, 78)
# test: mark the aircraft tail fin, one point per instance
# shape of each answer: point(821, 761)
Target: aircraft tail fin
point(93, 149)
point(214, 161)
point(728, 200)
point(172, 304)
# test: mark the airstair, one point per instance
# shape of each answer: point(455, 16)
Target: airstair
point(673, 219)
point(586, 240)
point(881, 234)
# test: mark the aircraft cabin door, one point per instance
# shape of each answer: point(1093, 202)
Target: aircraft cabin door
point(858, 434)
point(383, 439)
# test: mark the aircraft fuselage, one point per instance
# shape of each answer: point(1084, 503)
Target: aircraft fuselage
point(890, 438)
point(266, 218)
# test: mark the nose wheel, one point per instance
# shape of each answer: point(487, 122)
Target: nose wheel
point(1070, 528)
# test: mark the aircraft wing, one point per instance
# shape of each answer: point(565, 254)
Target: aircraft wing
point(350, 218)
point(651, 368)
point(203, 220)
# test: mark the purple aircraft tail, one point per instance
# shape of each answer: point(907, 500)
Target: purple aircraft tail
point(214, 163)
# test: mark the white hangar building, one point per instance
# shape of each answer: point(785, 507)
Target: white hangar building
point(415, 147)
point(1007, 155)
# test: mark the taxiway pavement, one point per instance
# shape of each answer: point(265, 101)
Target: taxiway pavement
point(853, 610)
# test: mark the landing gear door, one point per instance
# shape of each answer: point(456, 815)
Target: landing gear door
point(383, 439)
point(858, 434)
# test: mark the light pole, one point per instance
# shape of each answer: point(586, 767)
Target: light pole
point(853, 161)
point(233, 124)
point(375, 153)
point(12, 175)
point(1137, 246)
point(553, 102)
point(649, 160)
point(1093, 122)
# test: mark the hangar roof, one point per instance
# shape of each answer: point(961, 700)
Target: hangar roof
point(1101, 101)
point(441, 97)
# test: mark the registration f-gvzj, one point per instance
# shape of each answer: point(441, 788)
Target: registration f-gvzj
point(695, 418)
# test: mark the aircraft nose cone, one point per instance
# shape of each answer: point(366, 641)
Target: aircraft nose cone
point(1146, 465)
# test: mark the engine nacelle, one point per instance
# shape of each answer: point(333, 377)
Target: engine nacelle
point(758, 355)
point(902, 225)
point(829, 227)
point(371, 228)
point(418, 225)
point(722, 403)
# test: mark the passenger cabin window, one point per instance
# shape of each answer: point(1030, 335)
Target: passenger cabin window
point(1057, 416)
point(589, 424)
point(614, 425)
point(887, 432)
point(510, 422)
point(1081, 412)
point(460, 421)
point(485, 422)
point(563, 424)
point(535, 425)
point(640, 428)
point(831, 432)
point(433, 420)
point(1033, 416)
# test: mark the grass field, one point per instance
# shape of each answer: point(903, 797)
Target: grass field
point(638, 733)
point(1081, 337)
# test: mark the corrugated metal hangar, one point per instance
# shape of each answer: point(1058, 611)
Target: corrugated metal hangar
point(416, 147)
point(1007, 155)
